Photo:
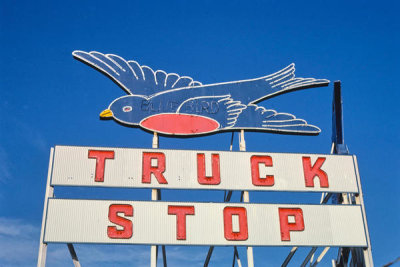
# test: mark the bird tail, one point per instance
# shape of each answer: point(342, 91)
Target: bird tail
point(284, 81)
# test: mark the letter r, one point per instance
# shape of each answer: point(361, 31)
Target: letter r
point(158, 170)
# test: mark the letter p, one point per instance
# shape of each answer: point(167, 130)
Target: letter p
point(290, 219)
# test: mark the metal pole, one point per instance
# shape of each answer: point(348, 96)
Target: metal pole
point(246, 199)
point(320, 256)
point(289, 257)
point(154, 196)
point(227, 198)
point(234, 258)
point(309, 255)
point(73, 255)
point(49, 193)
point(359, 258)
point(237, 257)
point(164, 254)
point(360, 201)
point(337, 116)
point(210, 251)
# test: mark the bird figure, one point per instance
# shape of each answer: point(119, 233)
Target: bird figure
point(170, 104)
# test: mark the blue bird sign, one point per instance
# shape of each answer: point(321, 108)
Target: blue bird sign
point(170, 104)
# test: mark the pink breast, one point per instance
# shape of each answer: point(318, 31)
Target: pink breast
point(179, 124)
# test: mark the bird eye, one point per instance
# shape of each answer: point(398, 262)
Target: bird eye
point(127, 109)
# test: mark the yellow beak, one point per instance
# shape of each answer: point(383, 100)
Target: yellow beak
point(105, 114)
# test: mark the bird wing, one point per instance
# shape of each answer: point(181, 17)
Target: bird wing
point(258, 118)
point(131, 77)
point(223, 108)
point(232, 114)
point(255, 90)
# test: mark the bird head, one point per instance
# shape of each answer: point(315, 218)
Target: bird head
point(126, 109)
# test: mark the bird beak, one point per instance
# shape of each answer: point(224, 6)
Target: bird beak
point(106, 114)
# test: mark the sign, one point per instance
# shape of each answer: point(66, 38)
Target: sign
point(178, 223)
point(171, 104)
point(187, 169)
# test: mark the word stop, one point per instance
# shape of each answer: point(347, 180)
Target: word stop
point(235, 221)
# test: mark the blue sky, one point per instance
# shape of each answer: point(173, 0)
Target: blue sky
point(48, 98)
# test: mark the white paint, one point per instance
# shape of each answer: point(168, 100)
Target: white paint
point(291, 219)
point(235, 223)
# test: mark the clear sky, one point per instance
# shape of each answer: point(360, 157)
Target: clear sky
point(47, 98)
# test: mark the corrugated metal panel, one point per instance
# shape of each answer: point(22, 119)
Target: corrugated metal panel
point(73, 167)
point(86, 221)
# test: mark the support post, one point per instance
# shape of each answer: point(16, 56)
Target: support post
point(73, 255)
point(246, 199)
point(49, 193)
point(236, 255)
point(289, 257)
point(308, 257)
point(320, 257)
point(156, 195)
point(360, 257)
point(337, 117)
point(210, 251)
point(227, 198)
point(164, 254)
point(367, 252)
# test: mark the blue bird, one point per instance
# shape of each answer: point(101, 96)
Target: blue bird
point(170, 104)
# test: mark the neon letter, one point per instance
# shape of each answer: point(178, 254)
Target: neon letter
point(181, 212)
point(100, 156)
point(286, 226)
point(201, 170)
point(157, 170)
point(242, 234)
point(113, 211)
point(311, 171)
point(255, 171)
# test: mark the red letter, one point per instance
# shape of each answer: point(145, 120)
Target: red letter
point(242, 234)
point(255, 171)
point(100, 156)
point(201, 170)
point(311, 171)
point(113, 211)
point(157, 170)
point(181, 212)
point(286, 226)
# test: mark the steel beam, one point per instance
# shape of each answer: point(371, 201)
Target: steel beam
point(49, 193)
point(73, 255)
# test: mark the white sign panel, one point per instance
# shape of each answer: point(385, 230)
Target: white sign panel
point(186, 169)
point(178, 223)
